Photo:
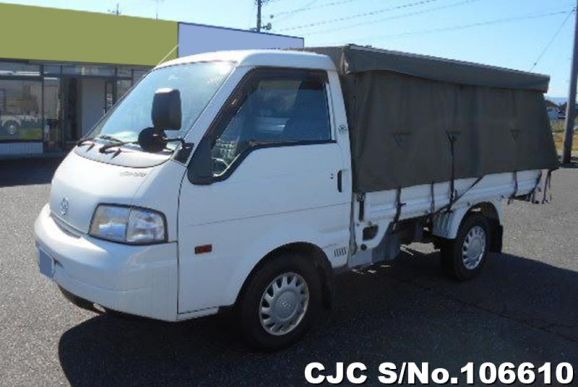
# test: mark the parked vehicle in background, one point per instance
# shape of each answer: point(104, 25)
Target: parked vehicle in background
point(247, 179)
point(11, 124)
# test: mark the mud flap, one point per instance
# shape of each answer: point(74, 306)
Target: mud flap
point(497, 237)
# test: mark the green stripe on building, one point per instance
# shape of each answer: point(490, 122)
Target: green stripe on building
point(49, 34)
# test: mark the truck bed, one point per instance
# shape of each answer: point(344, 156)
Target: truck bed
point(380, 208)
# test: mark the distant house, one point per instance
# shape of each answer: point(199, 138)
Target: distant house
point(553, 110)
point(563, 107)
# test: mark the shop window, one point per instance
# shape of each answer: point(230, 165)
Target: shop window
point(122, 87)
point(53, 70)
point(138, 74)
point(88, 70)
point(8, 69)
point(20, 110)
point(123, 72)
point(108, 95)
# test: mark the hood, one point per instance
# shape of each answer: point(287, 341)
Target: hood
point(80, 184)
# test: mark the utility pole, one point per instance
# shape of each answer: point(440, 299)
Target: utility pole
point(571, 106)
point(260, 25)
point(259, 12)
point(158, 3)
point(115, 11)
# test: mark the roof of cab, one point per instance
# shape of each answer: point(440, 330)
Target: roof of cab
point(273, 57)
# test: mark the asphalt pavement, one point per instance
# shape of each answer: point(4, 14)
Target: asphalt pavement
point(523, 308)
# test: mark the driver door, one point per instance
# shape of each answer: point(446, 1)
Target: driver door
point(275, 181)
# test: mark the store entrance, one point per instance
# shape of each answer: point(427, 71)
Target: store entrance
point(81, 103)
point(62, 101)
point(70, 97)
point(52, 105)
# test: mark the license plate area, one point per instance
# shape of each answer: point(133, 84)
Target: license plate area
point(46, 264)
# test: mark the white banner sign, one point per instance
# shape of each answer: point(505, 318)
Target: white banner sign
point(195, 39)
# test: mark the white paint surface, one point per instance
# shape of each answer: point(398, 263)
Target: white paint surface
point(195, 39)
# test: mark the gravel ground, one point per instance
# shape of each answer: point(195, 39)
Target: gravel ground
point(524, 307)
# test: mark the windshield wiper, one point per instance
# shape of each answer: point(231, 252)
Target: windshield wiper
point(109, 138)
point(84, 141)
point(116, 144)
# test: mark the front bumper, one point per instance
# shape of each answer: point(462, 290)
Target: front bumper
point(139, 280)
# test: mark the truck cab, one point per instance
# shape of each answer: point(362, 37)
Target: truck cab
point(261, 170)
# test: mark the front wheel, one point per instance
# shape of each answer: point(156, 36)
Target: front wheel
point(280, 302)
point(464, 257)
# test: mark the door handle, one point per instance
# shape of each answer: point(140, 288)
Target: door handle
point(340, 181)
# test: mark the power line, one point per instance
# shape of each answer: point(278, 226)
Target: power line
point(287, 14)
point(473, 25)
point(409, 14)
point(357, 16)
point(553, 39)
point(312, 7)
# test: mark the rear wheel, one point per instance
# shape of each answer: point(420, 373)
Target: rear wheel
point(464, 257)
point(280, 302)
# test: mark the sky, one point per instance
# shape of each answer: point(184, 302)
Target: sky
point(509, 33)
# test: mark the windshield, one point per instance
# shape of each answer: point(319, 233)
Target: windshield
point(197, 83)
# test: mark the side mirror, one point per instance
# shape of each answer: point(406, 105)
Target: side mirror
point(166, 111)
point(201, 165)
point(152, 140)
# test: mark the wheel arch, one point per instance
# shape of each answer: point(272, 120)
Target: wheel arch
point(446, 226)
point(319, 260)
point(490, 210)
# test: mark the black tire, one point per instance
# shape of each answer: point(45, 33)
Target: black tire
point(249, 304)
point(453, 251)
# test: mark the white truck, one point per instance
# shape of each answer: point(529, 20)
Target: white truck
point(246, 179)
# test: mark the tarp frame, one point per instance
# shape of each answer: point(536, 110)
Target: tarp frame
point(415, 120)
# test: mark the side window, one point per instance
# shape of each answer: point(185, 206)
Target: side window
point(283, 109)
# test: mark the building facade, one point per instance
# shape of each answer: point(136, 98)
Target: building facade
point(58, 78)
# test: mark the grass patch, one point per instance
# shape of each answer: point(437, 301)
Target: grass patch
point(559, 141)
point(557, 125)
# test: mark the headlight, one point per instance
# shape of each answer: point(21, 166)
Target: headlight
point(128, 225)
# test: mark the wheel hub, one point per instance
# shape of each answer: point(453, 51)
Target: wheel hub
point(284, 304)
point(474, 247)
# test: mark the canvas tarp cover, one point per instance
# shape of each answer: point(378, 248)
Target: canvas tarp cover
point(402, 126)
